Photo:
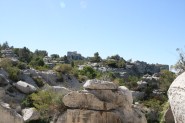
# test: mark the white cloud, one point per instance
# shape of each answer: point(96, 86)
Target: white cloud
point(83, 4)
point(62, 5)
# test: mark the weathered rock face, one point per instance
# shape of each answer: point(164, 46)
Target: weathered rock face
point(25, 87)
point(8, 115)
point(86, 101)
point(89, 116)
point(176, 95)
point(101, 102)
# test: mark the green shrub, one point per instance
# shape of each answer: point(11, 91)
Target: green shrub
point(46, 102)
point(42, 68)
point(82, 78)
point(38, 81)
point(59, 77)
point(27, 102)
point(79, 62)
point(165, 106)
point(153, 103)
point(64, 68)
point(119, 81)
point(107, 76)
point(131, 82)
point(166, 78)
point(38, 61)
point(116, 63)
point(13, 73)
point(22, 65)
point(89, 72)
point(5, 63)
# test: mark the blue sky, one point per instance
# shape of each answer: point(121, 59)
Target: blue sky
point(146, 30)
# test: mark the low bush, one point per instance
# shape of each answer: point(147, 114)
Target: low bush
point(89, 72)
point(10, 67)
point(22, 65)
point(64, 68)
point(59, 77)
point(38, 81)
point(47, 102)
point(13, 73)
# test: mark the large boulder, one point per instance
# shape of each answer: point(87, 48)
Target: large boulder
point(83, 100)
point(25, 87)
point(8, 115)
point(98, 84)
point(176, 95)
point(30, 114)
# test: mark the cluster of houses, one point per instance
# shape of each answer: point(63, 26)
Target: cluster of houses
point(8, 53)
point(70, 56)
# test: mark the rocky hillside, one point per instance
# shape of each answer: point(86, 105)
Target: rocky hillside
point(99, 102)
point(26, 90)
point(33, 88)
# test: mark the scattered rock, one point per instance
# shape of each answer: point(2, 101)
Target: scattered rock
point(25, 87)
point(141, 85)
point(30, 114)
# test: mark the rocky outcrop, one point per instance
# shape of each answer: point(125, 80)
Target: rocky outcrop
point(100, 102)
point(143, 67)
point(25, 87)
point(7, 115)
point(176, 95)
